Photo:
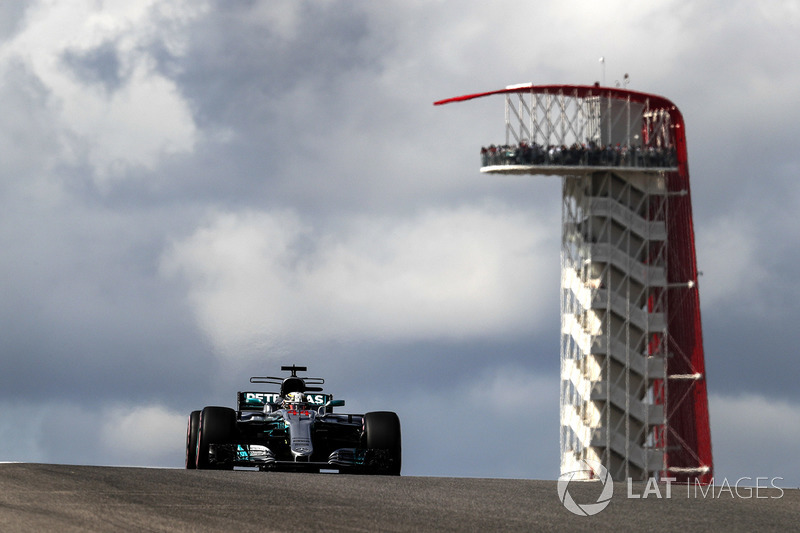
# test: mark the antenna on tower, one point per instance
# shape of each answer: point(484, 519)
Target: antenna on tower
point(603, 69)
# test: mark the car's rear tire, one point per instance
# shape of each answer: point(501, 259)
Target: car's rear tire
point(382, 432)
point(217, 426)
point(191, 440)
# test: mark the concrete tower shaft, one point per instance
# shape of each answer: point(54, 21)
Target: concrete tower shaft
point(633, 391)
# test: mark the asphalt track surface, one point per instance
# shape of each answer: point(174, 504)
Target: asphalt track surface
point(40, 497)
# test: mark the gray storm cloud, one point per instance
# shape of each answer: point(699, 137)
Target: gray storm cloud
point(193, 192)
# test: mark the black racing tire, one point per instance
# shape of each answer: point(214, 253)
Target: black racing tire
point(217, 426)
point(191, 440)
point(382, 432)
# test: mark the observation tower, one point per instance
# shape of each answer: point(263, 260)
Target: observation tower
point(633, 382)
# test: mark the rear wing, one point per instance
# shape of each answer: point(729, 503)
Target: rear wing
point(255, 401)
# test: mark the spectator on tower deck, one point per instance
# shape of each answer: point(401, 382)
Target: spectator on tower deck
point(589, 154)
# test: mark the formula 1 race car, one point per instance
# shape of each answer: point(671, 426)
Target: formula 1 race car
point(294, 429)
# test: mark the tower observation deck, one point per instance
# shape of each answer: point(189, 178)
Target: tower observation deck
point(633, 382)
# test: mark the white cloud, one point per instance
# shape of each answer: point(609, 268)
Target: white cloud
point(470, 42)
point(132, 435)
point(259, 278)
point(132, 126)
point(142, 435)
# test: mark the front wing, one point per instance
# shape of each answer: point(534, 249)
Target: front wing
point(343, 460)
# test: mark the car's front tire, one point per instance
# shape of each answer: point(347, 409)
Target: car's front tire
point(217, 426)
point(192, 429)
point(383, 441)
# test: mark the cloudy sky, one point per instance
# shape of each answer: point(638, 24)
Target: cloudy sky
point(196, 191)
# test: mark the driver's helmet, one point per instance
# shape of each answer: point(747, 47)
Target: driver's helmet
point(297, 399)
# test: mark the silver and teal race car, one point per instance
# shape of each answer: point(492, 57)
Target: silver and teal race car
point(294, 429)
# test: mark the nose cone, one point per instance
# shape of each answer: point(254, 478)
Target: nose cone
point(300, 424)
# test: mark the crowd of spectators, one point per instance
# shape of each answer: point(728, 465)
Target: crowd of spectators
point(589, 154)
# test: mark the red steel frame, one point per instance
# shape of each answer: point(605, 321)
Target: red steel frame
point(687, 438)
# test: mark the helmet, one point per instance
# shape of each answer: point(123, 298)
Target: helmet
point(295, 398)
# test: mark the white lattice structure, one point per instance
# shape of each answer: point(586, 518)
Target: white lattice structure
point(613, 271)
